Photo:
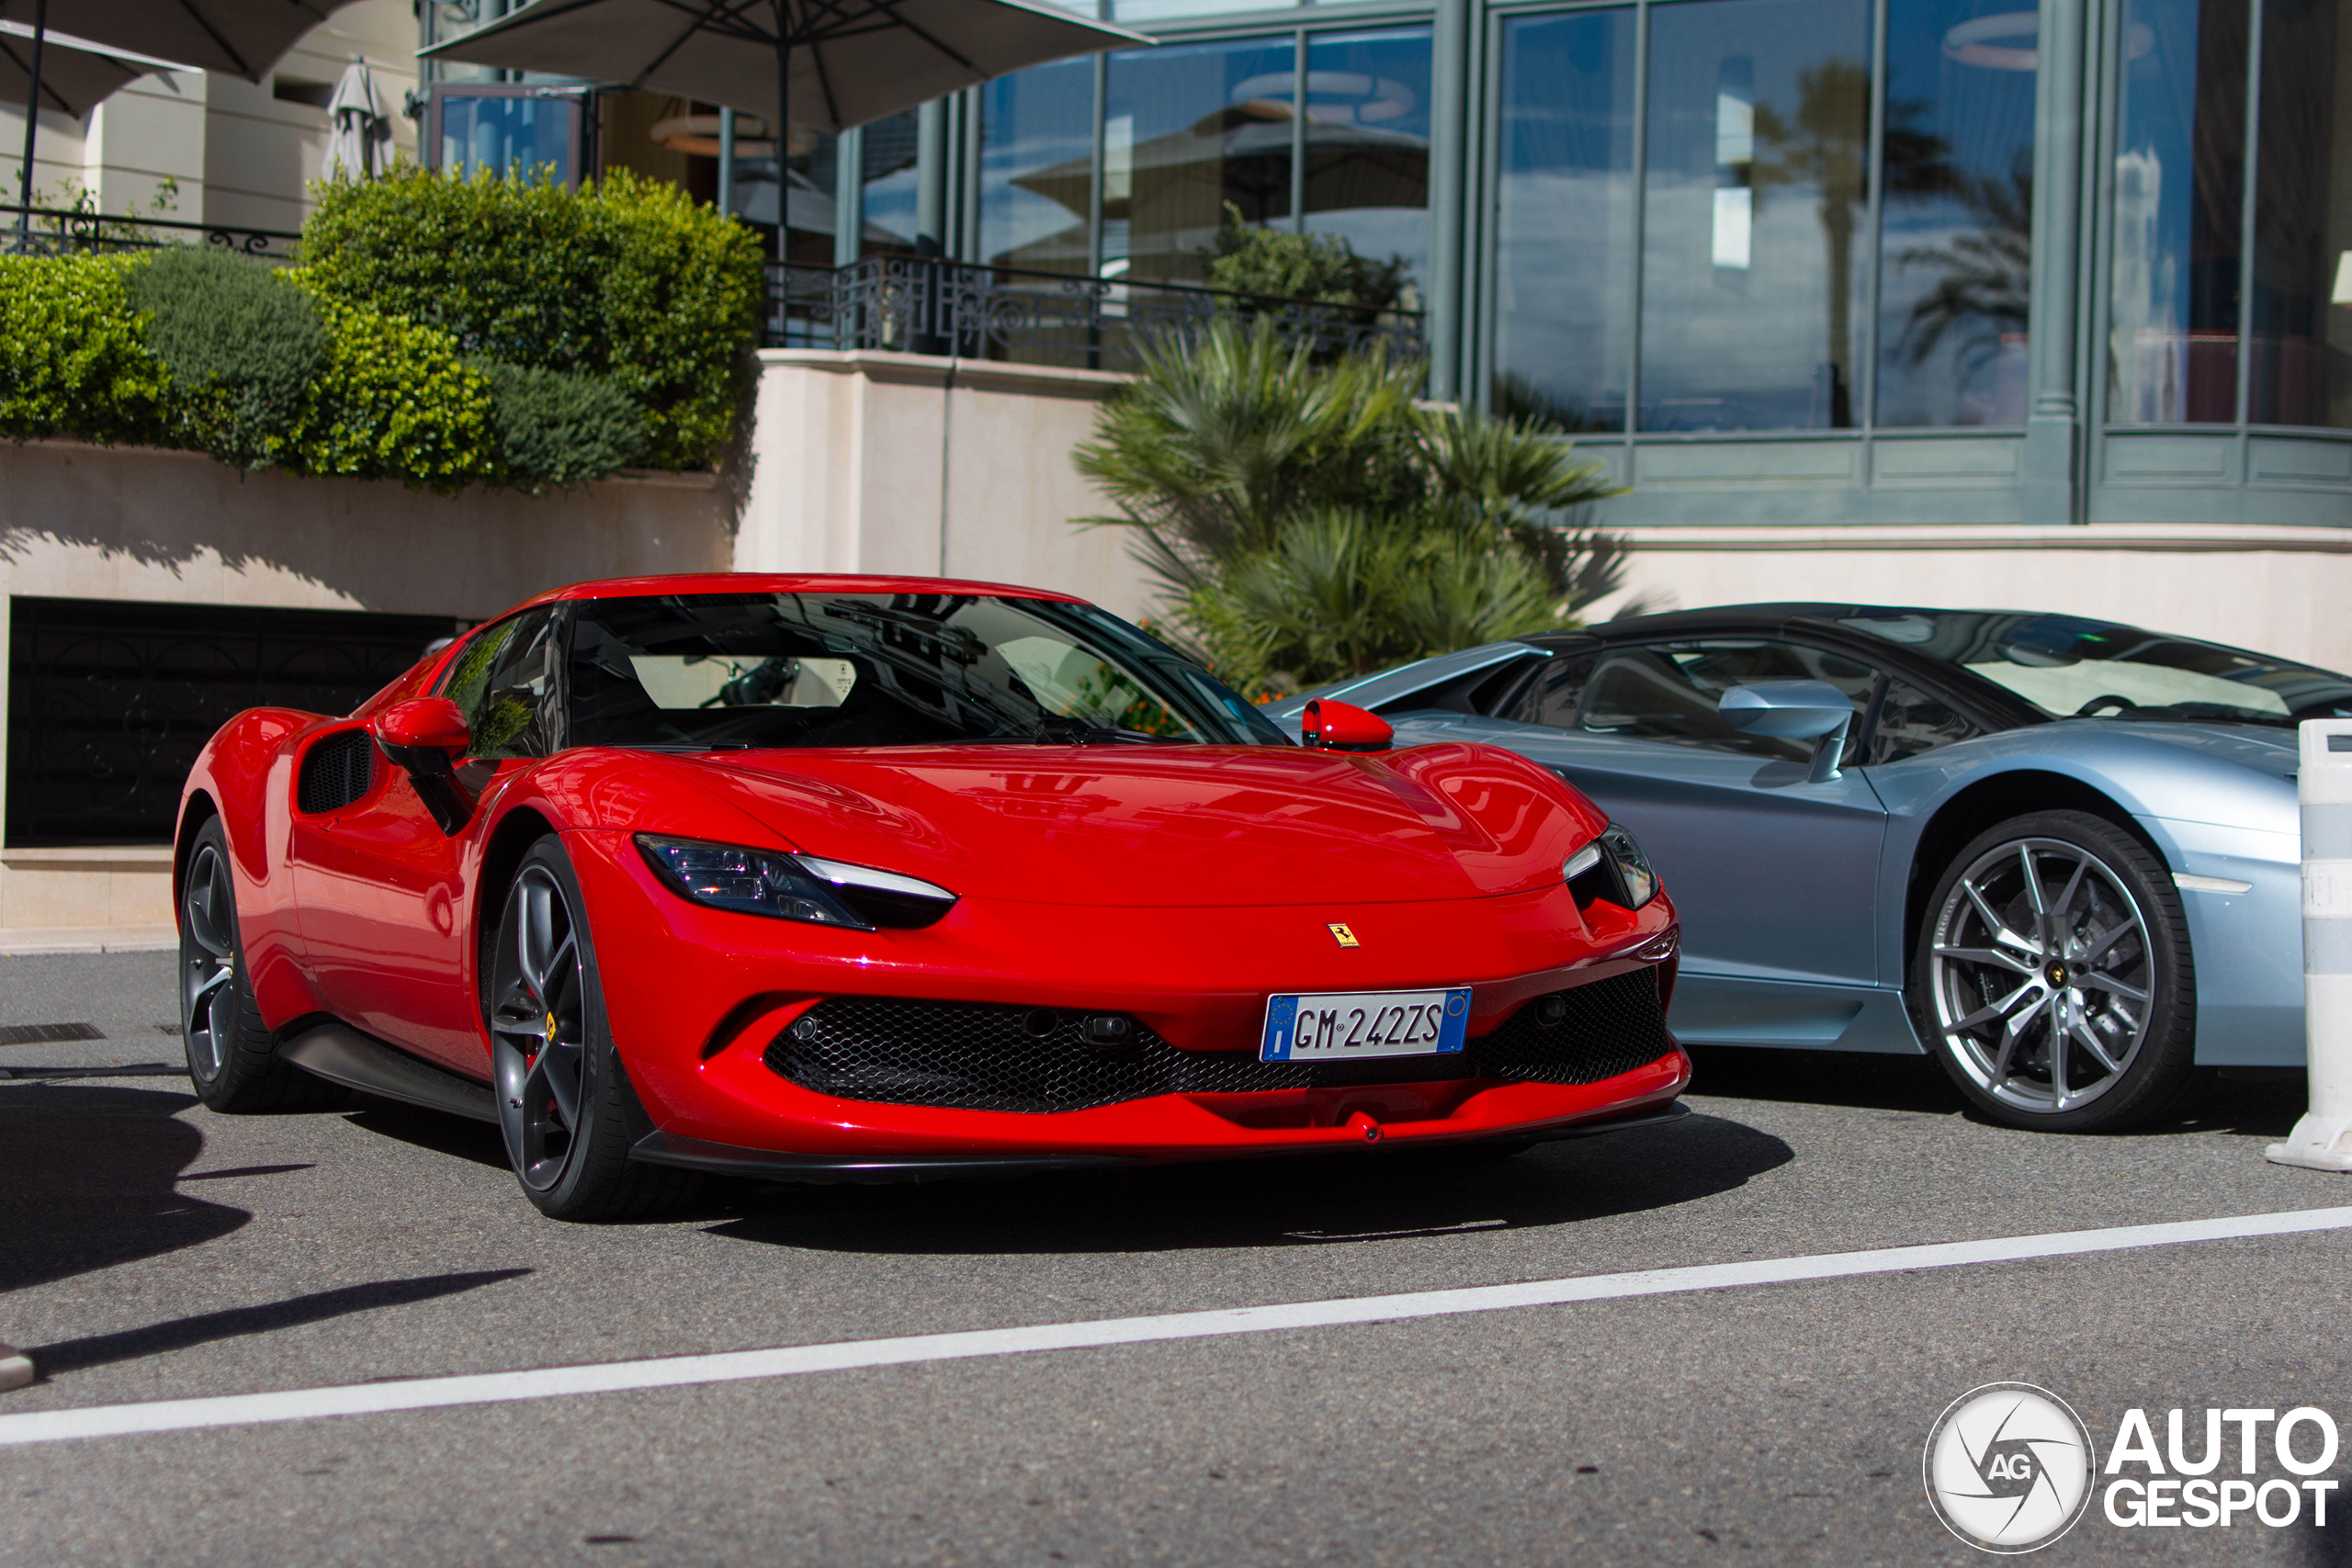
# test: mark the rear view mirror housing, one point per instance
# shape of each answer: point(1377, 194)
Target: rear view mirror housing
point(1327, 726)
point(1794, 710)
point(424, 738)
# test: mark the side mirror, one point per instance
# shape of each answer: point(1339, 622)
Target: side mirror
point(1343, 727)
point(1794, 710)
point(425, 736)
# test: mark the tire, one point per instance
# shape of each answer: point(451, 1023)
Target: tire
point(231, 1056)
point(564, 1102)
point(2054, 980)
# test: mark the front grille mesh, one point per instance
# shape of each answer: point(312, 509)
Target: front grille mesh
point(976, 1057)
point(337, 772)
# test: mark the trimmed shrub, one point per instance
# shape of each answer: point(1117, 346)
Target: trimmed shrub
point(557, 430)
point(628, 279)
point(242, 345)
point(395, 401)
point(73, 359)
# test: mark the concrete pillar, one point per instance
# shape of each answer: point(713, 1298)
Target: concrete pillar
point(2054, 420)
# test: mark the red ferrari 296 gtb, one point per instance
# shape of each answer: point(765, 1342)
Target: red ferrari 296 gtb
point(860, 878)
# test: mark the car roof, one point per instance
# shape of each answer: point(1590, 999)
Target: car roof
point(1746, 617)
point(786, 583)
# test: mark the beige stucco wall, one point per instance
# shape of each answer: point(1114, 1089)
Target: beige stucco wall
point(902, 463)
point(2286, 591)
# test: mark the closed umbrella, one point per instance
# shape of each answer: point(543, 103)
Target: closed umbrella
point(835, 63)
point(359, 143)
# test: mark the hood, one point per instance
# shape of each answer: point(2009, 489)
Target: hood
point(1168, 827)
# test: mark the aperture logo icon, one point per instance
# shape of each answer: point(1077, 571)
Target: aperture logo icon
point(2008, 1467)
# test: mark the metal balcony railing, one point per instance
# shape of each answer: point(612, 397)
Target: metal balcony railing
point(57, 231)
point(918, 305)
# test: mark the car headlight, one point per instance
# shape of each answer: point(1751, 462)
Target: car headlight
point(793, 886)
point(1611, 867)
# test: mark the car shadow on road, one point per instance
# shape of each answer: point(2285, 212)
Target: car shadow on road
point(92, 1174)
point(1294, 1201)
point(2254, 1103)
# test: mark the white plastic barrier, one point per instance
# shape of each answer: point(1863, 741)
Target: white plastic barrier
point(2323, 1139)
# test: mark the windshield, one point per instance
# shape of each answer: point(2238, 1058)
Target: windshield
point(2071, 668)
point(774, 669)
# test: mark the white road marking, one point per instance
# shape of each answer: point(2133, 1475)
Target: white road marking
point(735, 1366)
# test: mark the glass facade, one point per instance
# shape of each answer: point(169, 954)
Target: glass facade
point(1183, 132)
point(1703, 230)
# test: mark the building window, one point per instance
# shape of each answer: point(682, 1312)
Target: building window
point(1956, 236)
point(1365, 142)
point(886, 173)
point(2302, 299)
point(1755, 200)
point(2179, 205)
point(1188, 130)
point(514, 131)
point(1563, 283)
point(1037, 168)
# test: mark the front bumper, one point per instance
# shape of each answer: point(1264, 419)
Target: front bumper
point(695, 997)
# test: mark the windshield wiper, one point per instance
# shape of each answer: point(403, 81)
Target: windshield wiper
point(1076, 732)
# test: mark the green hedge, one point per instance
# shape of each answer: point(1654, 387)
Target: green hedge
point(628, 281)
point(243, 344)
point(440, 332)
point(73, 359)
point(395, 401)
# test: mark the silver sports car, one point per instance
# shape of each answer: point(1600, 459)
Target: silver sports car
point(2060, 855)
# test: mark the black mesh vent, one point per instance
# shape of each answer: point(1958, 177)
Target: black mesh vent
point(974, 1056)
point(337, 772)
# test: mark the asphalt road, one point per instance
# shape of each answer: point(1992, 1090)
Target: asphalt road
point(150, 1250)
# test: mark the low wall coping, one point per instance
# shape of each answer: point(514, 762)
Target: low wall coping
point(938, 370)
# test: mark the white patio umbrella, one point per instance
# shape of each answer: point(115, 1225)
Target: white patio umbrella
point(834, 63)
point(359, 142)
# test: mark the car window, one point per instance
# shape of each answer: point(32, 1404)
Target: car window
point(1668, 691)
point(500, 682)
point(1910, 722)
point(1551, 697)
point(788, 670)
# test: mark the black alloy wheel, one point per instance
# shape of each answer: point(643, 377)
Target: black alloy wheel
point(2054, 980)
point(564, 1102)
point(231, 1054)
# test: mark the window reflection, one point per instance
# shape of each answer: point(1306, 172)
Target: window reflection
point(1564, 244)
point(1957, 240)
point(1186, 130)
point(509, 136)
point(1752, 290)
point(1030, 123)
point(811, 172)
point(2180, 192)
point(886, 174)
point(2301, 328)
point(1367, 142)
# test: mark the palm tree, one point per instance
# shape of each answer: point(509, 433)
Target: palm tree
point(1310, 520)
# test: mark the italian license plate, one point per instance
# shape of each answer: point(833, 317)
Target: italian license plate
point(1350, 1026)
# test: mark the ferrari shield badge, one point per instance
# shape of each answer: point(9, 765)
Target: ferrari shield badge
point(1344, 937)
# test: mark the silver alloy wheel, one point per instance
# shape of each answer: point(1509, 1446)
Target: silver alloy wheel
point(209, 964)
point(539, 1027)
point(2043, 977)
